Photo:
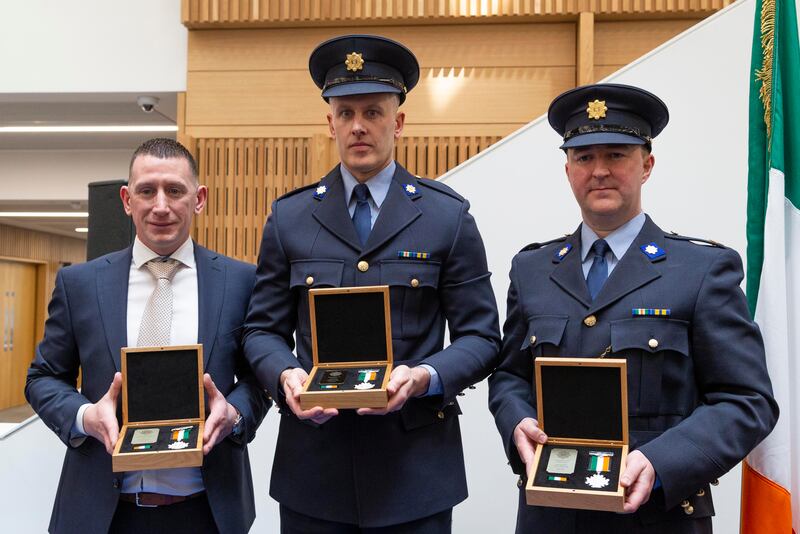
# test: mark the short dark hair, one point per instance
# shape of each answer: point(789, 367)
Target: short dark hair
point(164, 148)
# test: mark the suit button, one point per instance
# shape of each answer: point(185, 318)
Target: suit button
point(414, 282)
point(590, 321)
point(440, 414)
point(519, 482)
point(363, 266)
point(653, 343)
point(700, 492)
point(309, 280)
point(533, 340)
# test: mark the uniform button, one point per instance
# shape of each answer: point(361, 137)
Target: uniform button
point(653, 343)
point(689, 510)
point(414, 282)
point(533, 340)
point(519, 482)
point(309, 280)
point(363, 266)
point(440, 414)
point(590, 321)
point(115, 483)
point(715, 482)
point(701, 492)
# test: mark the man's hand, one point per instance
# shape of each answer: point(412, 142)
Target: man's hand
point(526, 436)
point(292, 382)
point(221, 416)
point(100, 419)
point(638, 480)
point(404, 383)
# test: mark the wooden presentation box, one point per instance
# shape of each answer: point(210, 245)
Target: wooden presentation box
point(583, 408)
point(351, 339)
point(163, 408)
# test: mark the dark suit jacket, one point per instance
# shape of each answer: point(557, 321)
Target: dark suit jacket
point(375, 470)
point(698, 402)
point(86, 329)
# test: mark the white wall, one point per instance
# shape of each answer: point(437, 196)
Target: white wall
point(58, 174)
point(93, 46)
point(520, 194)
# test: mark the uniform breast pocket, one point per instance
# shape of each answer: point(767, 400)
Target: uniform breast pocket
point(544, 334)
point(413, 292)
point(657, 351)
point(308, 274)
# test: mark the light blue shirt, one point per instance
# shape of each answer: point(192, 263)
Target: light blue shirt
point(618, 241)
point(378, 189)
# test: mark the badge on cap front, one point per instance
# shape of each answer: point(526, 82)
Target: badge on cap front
point(597, 109)
point(354, 62)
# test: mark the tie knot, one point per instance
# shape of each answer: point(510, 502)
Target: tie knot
point(361, 192)
point(162, 267)
point(600, 247)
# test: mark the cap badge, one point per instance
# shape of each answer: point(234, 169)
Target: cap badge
point(354, 62)
point(597, 109)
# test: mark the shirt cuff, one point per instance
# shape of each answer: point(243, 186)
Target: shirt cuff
point(435, 385)
point(77, 427)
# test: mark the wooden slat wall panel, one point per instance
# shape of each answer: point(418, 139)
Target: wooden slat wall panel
point(203, 13)
point(244, 177)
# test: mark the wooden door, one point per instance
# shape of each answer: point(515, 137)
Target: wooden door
point(17, 329)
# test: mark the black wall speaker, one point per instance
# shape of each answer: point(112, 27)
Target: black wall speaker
point(110, 228)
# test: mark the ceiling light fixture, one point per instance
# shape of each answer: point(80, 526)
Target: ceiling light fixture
point(121, 128)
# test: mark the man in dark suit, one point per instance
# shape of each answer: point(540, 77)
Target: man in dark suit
point(103, 305)
point(370, 222)
point(699, 397)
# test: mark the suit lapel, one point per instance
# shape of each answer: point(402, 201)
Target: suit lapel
point(332, 210)
point(569, 274)
point(210, 294)
point(112, 297)
point(634, 269)
point(397, 211)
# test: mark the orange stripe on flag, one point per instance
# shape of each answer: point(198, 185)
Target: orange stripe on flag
point(766, 506)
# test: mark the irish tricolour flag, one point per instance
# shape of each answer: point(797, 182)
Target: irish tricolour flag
point(771, 474)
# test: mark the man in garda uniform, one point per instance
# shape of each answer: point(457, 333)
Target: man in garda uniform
point(699, 397)
point(103, 305)
point(370, 222)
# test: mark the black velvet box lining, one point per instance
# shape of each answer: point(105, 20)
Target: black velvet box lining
point(581, 402)
point(350, 378)
point(350, 327)
point(577, 480)
point(162, 385)
point(164, 438)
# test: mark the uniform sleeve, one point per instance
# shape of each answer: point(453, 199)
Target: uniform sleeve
point(736, 407)
point(511, 396)
point(270, 323)
point(51, 386)
point(468, 303)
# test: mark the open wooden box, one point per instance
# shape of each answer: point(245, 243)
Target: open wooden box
point(162, 388)
point(583, 408)
point(351, 339)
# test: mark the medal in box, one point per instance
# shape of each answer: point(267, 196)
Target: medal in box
point(163, 407)
point(582, 406)
point(351, 339)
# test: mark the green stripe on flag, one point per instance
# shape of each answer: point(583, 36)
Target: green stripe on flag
point(775, 65)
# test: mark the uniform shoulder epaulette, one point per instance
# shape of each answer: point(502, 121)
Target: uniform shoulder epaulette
point(534, 246)
point(439, 186)
point(298, 190)
point(695, 240)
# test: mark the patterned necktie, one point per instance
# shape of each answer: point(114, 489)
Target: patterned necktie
point(157, 318)
point(362, 218)
point(599, 269)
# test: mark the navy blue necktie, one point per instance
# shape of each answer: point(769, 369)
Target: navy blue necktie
point(362, 218)
point(599, 269)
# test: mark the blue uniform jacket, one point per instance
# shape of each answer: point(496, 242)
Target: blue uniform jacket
point(85, 331)
point(698, 401)
point(375, 470)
